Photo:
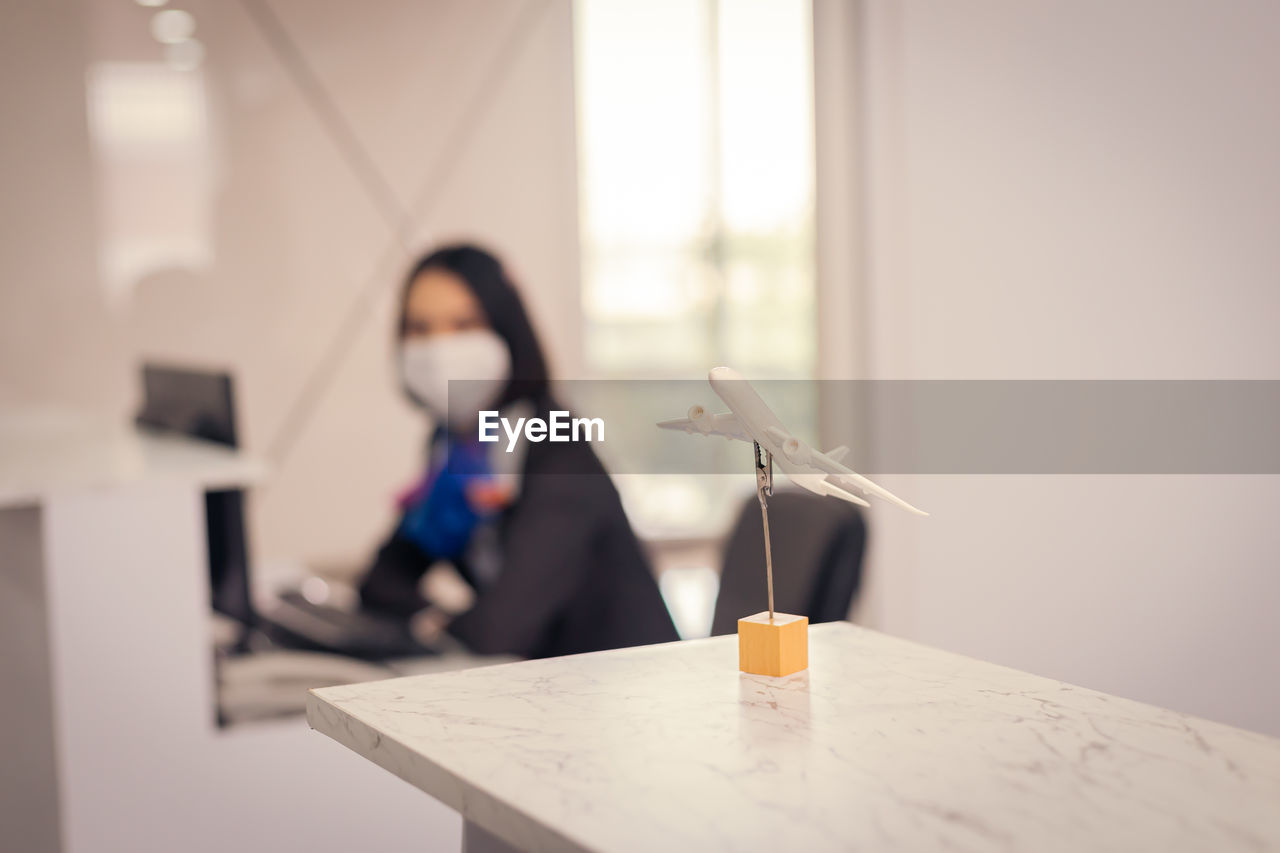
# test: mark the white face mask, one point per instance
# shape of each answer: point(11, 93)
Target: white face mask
point(479, 356)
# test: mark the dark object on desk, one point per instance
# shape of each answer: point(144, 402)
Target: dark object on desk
point(300, 624)
point(200, 404)
point(818, 545)
point(194, 403)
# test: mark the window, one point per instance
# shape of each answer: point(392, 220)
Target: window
point(696, 174)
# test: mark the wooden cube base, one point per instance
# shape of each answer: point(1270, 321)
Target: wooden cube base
point(776, 648)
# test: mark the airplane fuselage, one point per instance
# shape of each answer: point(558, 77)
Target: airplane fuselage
point(760, 421)
point(750, 419)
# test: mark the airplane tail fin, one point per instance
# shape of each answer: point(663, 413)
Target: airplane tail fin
point(837, 454)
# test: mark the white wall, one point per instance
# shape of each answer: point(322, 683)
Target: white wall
point(1078, 190)
point(55, 342)
point(249, 237)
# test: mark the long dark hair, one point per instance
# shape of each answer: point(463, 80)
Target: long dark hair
point(484, 274)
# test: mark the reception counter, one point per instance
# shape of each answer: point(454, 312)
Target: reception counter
point(103, 618)
point(880, 744)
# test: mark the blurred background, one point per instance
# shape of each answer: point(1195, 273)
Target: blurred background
point(799, 188)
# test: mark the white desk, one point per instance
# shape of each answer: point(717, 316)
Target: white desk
point(107, 723)
point(103, 593)
point(881, 744)
point(45, 455)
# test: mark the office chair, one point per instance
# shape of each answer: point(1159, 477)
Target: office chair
point(818, 544)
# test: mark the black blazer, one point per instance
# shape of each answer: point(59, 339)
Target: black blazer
point(573, 578)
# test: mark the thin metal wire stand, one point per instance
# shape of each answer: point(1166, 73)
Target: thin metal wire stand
point(764, 489)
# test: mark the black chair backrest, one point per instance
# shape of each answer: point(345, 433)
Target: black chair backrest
point(818, 544)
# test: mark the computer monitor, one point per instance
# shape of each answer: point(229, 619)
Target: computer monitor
point(200, 404)
point(195, 403)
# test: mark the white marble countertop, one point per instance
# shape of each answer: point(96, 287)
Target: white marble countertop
point(881, 744)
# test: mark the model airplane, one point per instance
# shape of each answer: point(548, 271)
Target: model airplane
point(750, 419)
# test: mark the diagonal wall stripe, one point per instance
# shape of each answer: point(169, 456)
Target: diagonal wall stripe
point(362, 165)
point(335, 124)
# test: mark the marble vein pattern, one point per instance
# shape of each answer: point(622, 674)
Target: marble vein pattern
point(881, 744)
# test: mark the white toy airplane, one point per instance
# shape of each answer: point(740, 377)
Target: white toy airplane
point(751, 419)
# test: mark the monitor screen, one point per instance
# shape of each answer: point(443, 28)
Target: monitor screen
point(195, 403)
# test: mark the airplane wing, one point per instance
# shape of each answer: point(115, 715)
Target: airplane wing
point(847, 480)
point(724, 424)
point(829, 476)
point(820, 484)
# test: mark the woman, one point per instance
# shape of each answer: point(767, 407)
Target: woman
point(547, 549)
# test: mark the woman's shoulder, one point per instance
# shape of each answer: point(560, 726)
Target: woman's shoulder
point(565, 469)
